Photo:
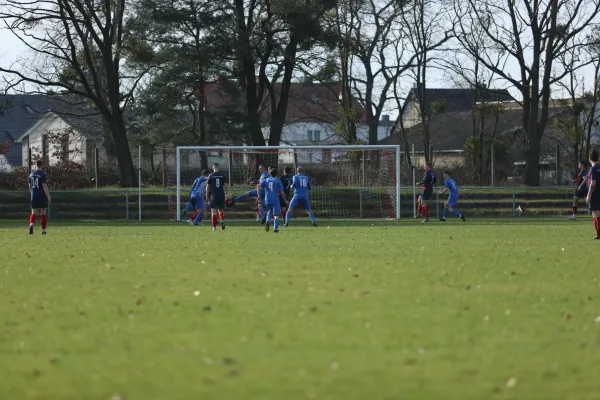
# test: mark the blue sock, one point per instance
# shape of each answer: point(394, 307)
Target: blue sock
point(276, 223)
point(241, 197)
point(288, 215)
point(188, 206)
point(312, 217)
point(269, 216)
point(445, 213)
point(198, 219)
point(261, 212)
point(455, 212)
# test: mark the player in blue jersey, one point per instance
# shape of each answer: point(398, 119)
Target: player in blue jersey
point(427, 183)
point(216, 191)
point(254, 193)
point(273, 193)
point(452, 188)
point(593, 197)
point(301, 186)
point(286, 179)
point(581, 191)
point(197, 198)
point(40, 197)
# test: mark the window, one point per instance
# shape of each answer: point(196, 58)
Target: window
point(309, 136)
point(317, 136)
point(327, 156)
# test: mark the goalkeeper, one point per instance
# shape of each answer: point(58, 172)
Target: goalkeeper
point(197, 187)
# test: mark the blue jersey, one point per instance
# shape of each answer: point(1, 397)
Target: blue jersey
point(196, 185)
point(201, 187)
point(37, 180)
point(301, 185)
point(452, 187)
point(216, 181)
point(263, 176)
point(272, 187)
point(594, 175)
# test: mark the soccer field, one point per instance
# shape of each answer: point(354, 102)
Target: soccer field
point(488, 309)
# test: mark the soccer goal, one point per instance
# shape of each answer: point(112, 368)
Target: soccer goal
point(347, 181)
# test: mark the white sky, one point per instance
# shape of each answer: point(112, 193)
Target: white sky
point(11, 49)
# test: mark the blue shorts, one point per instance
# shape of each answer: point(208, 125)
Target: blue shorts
point(253, 193)
point(274, 208)
point(198, 202)
point(452, 202)
point(300, 202)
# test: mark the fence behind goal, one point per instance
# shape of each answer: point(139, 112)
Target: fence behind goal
point(355, 182)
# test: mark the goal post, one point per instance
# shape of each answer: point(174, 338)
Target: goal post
point(348, 182)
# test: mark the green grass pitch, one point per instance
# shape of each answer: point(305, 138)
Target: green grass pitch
point(488, 309)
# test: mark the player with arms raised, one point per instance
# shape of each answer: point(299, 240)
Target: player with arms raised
point(427, 183)
point(216, 187)
point(582, 188)
point(593, 197)
point(451, 187)
point(40, 197)
point(273, 192)
point(301, 186)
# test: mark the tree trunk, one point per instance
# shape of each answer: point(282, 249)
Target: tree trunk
point(127, 173)
point(278, 118)
point(532, 159)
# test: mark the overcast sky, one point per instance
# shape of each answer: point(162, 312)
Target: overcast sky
point(12, 49)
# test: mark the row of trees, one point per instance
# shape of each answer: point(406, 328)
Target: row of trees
point(159, 56)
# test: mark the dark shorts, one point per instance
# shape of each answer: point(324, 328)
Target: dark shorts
point(426, 193)
point(595, 203)
point(217, 203)
point(282, 203)
point(39, 203)
point(582, 194)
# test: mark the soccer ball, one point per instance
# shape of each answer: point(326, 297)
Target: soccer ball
point(518, 211)
point(228, 201)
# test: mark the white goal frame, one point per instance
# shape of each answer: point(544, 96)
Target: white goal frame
point(251, 148)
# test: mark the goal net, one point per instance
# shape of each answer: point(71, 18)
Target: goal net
point(347, 182)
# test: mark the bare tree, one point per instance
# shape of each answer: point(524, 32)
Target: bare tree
point(77, 46)
point(427, 26)
point(533, 34)
point(467, 71)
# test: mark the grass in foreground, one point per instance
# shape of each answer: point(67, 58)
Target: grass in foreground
point(482, 310)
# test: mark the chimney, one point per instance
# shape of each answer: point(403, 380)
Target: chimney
point(385, 118)
point(308, 80)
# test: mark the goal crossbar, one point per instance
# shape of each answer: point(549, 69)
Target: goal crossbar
point(288, 147)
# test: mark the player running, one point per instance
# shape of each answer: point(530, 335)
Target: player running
point(593, 196)
point(197, 199)
point(216, 188)
point(301, 186)
point(452, 188)
point(428, 181)
point(582, 188)
point(274, 191)
point(286, 179)
point(40, 196)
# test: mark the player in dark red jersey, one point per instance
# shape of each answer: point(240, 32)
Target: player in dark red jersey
point(216, 188)
point(581, 191)
point(593, 197)
point(427, 183)
point(40, 197)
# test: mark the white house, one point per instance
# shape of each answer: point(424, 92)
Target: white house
point(81, 136)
